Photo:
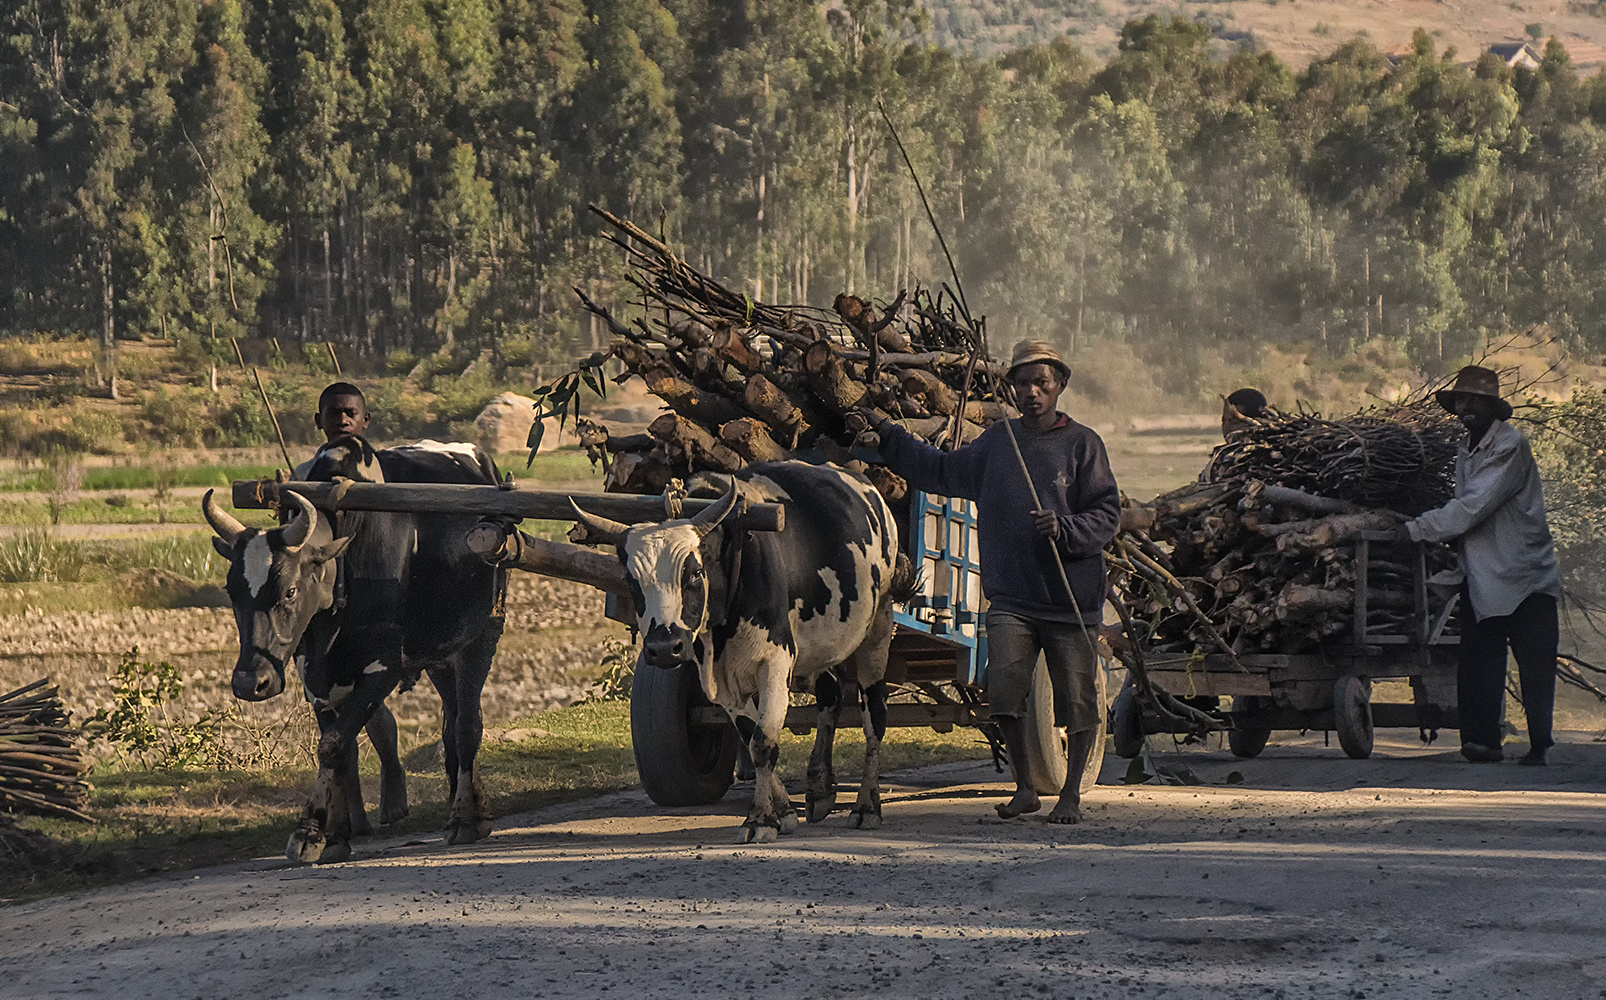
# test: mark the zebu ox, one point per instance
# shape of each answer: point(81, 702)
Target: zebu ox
point(753, 610)
point(393, 596)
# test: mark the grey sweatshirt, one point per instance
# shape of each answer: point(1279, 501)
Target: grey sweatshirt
point(1072, 473)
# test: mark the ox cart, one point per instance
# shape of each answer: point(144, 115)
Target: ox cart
point(1328, 688)
point(685, 747)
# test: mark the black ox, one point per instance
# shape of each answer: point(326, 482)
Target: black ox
point(393, 596)
point(754, 609)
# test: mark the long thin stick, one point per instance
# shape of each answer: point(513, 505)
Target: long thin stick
point(283, 450)
point(959, 289)
point(332, 359)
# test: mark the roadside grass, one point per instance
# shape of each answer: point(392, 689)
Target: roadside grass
point(152, 822)
point(113, 509)
point(145, 477)
point(37, 556)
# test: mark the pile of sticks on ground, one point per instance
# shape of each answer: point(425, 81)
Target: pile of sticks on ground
point(1401, 458)
point(1241, 567)
point(745, 381)
point(41, 765)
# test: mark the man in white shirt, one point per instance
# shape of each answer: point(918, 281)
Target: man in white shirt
point(1513, 582)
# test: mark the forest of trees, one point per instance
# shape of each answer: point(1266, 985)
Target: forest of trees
point(413, 174)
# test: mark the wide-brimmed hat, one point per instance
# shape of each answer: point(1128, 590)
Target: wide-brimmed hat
point(1474, 380)
point(1033, 352)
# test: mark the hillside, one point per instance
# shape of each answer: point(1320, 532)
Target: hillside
point(1296, 30)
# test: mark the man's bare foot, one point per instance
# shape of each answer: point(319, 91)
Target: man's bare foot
point(1025, 801)
point(1066, 810)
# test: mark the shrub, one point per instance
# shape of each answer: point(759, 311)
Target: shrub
point(176, 418)
point(463, 397)
point(141, 724)
point(63, 479)
point(399, 413)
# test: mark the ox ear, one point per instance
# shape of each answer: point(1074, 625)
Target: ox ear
point(224, 549)
point(334, 550)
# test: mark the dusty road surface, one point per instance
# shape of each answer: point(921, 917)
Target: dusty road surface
point(1410, 875)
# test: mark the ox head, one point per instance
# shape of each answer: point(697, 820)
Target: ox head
point(675, 579)
point(278, 580)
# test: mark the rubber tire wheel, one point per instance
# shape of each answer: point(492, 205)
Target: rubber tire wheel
point(1352, 715)
point(1045, 742)
point(679, 765)
point(1126, 724)
point(1248, 743)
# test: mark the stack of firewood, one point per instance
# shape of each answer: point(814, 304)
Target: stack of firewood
point(744, 381)
point(1401, 458)
point(1251, 567)
point(42, 767)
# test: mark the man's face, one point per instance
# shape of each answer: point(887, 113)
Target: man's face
point(1476, 413)
point(342, 415)
point(1037, 389)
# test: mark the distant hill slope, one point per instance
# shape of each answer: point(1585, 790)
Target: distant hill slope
point(1297, 30)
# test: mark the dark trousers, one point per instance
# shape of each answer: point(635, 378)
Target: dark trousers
point(1533, 634)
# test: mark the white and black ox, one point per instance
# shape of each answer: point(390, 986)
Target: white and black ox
point(753, 610)
point(392, 596)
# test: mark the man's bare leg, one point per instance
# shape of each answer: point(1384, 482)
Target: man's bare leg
point(1013, 730)
point(1069, 808)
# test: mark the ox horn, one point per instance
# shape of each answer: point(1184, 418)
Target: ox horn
point(602, 529)
point(709, 517)
point(296, 533)
point(227, 526)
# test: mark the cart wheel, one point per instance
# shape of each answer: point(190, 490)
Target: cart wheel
point(1045, 742)
point(1126, 724)
point(1247, 743)
point(1352, 715)
point(680, 765)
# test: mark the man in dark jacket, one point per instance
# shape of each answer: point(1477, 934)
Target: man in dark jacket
point(1030, 610)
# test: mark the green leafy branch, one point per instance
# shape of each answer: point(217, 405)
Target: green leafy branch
point(560, 397)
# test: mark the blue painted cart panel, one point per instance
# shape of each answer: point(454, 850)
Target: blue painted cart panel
point(949, 604)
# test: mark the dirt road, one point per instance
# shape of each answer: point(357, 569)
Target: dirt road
point(1411, 875)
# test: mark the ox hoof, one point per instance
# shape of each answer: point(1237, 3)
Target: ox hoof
point(789, 822)
point(757, 833)
point(819, 808)
point(865, 820)
point(310, 848)
point(393, 813)
point(468, 832)
point(333, 854)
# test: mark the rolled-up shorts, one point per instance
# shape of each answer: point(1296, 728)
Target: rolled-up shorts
point(1013, 643)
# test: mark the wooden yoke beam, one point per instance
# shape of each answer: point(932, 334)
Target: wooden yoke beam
point(490, 501)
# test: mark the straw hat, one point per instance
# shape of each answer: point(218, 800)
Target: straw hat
point(1474, 380)
point(1031, 352)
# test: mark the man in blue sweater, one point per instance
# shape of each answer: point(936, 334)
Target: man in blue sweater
point(1030, 610)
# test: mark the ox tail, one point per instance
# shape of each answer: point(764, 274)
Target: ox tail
point(905, 584)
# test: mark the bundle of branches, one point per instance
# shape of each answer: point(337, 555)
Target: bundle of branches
point(41, 767)
point(1401, 459)
point(1245, 566)
point(744, 381)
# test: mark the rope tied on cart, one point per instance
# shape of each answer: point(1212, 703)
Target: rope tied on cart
point(674, 500)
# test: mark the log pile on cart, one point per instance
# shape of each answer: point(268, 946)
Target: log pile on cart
point(744, 381)
point(1260, 557)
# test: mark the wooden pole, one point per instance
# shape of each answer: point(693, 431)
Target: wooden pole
point(283, 450)
point(332, 359)
point(453, 498)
